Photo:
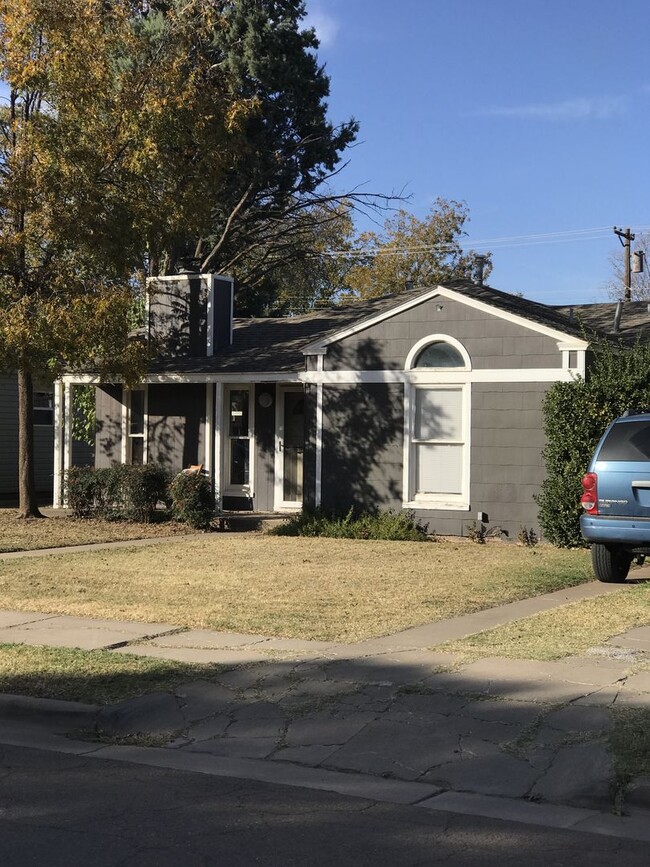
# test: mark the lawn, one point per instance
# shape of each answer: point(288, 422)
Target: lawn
point(566, 631)
point(20, 535)
point(314, 588)
point(93, 677)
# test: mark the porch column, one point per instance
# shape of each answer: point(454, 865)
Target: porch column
point(67, 432)
point(209, 431)
point(57, 499)
point(218, 442)
point(320, 366)
point(319, 445)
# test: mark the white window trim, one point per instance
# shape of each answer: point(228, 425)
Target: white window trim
point(127, 436)
point(449, 502)
point(247, 490)
point(436, 378)
point(412, 357)
point(39, 388)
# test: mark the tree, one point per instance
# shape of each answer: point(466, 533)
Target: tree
point(418, 252)
point(147, 132)
point(640, 282)
point(96, 118)
point(275, 202)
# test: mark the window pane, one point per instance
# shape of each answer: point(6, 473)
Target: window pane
point(239, 413)
point(239, 462)
point(439, 414)
point(439, 469)
point(439, 355)
point(137, 413)
point(137, 451)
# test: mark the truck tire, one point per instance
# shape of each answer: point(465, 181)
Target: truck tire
point(610, 564)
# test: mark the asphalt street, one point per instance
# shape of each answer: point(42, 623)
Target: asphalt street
point(67, 811)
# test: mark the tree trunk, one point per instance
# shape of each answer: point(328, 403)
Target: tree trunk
point(28, 507)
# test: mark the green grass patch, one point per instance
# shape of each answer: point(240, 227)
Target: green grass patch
point(566, 631)
point(92, 677)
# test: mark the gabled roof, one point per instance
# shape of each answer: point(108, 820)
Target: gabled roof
point(279, 344)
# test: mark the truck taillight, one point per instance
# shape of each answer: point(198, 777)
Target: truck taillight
point(589, 498)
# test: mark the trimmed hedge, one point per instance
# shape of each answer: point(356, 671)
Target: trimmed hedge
point(121, 492)
point(389, 525)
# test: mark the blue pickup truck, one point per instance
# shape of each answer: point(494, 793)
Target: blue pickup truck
point(616, 498)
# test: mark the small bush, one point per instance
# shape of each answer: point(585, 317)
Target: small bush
point(192, 500)
point(121, 492)
point(390, 525)
point(479, 532)
point(527, 537)
point(81, 490)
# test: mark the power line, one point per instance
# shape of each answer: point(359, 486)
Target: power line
point(594, 234)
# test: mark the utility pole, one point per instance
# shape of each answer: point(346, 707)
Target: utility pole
point(626, 237)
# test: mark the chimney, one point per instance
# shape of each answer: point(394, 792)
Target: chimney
point(221, 301)
point(617, 316)
point(190, 314)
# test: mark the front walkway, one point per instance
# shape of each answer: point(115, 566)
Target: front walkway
point(484, 737)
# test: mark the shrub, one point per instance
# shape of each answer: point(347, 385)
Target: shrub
point(192, 500)
point(81, 490)
point(121, 492)
point(575, 417)
point(388, 525)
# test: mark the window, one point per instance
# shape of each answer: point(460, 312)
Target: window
point(136, 428)
point(436, 448)
point(43, 405)
point(238, 466)
point(438, 442)
point(439, 354)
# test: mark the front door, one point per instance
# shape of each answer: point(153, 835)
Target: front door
point(290, 445)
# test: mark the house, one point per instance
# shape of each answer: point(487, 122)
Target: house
point(43, 437)
point(429, 400)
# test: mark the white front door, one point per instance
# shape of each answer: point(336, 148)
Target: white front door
point(289, 448)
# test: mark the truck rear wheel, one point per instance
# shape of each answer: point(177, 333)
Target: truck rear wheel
point(610, 564)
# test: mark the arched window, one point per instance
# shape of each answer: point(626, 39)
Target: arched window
point(437, 419)
point(439, 354)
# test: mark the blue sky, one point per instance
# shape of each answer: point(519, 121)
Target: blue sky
point(536, 114)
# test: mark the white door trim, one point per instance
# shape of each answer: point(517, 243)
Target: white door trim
point(279, 503)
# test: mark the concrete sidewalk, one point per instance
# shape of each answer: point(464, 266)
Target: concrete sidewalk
point(511, 738)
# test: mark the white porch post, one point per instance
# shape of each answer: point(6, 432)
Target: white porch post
point(218, 442)
point(67, 432)
point(57, 499)
point(209, 431)
point(319, 435)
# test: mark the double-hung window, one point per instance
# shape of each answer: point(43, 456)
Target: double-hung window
point(437, 427)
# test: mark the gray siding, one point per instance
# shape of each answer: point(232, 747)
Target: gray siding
point(363, 456)
point(176, 427)
point(264, 450)
point(362, 447)
point(43, 443)
point(108, 439)
point(492, 342)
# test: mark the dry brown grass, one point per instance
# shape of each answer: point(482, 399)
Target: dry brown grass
point(61, 531)
point(565, 631)
point(312, 588)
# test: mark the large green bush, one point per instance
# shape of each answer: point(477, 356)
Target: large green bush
point(389, 525)
point(121, 492)
point(192, 500)
point(575, 417)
